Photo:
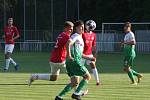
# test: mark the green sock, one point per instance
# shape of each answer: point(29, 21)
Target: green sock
point(131, 76)
point(65, 90)
point(134, 72)
point(81, 85)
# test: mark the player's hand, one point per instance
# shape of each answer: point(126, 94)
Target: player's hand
point(11, 40)
point(71, 58)
point(93, 59)
point(122, 43)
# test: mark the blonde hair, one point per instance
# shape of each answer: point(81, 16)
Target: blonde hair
point(68, 23)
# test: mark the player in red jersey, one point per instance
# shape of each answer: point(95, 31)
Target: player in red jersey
point(58, 56)
point(11, 34)
point(89, 38)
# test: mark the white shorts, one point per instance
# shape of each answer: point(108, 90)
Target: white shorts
point(9, 48)
point(85, 61)
point(55, 67)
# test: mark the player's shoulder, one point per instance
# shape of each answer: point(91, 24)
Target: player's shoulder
point(14, 27)
point(74, 35)
point(65, 35)
point(131, 33)
point(93, 33)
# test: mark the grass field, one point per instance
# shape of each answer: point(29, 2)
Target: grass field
point(116, 85)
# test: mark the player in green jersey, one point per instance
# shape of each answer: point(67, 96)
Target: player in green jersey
point(74, 67)
point(129, 53)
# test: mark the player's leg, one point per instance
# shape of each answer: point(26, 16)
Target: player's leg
point(138, 75)
point(86, 77)
point(74, 82)
point(8, 51)
point(7, 61)
point(55, 70)
point(130, 74)
point(7, 56)
point(16, 66)
point(95, 72)
point(94, 69)
point(127, 69)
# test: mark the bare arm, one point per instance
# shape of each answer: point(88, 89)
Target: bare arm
point(129, 43)
point(94, 51)
point(17, 34)
point(89, 58)
point(69, 44)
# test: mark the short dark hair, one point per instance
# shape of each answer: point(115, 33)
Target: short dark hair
point(78, 23)
point(10, 18)
point(127, 24)
point(68, 23)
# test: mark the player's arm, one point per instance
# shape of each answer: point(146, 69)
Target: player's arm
point(17, 34)
point(128, 43)
point(94, 47)
point(69, 45)
point(131, 42)
point(88, 58)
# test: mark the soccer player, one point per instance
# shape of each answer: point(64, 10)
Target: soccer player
point(129, 53)
point(11, 34)
point(74, 67)
point(58, 56)
point(89, 39)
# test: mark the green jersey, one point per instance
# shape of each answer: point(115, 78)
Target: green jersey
point(75, 68)
point(77, 48)
point(129, 50)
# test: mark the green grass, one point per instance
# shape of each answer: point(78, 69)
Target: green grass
point(14, 86)
point(116, 85)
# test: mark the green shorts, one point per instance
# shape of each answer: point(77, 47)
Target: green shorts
point(128, 61)
point(75, 69)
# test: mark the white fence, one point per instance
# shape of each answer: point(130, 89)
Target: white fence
point(142, 47)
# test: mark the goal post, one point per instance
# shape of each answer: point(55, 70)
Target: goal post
point(112, 34)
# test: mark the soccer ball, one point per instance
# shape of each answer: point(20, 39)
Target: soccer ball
point(90, 25)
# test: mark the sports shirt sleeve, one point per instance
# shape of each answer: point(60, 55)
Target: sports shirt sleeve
point(16, 31)
point(94, 41)
point(132, 37)
point(74, 37)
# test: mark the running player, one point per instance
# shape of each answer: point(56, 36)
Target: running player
point(89, 39)
point(11, 34)
point(58, 56)
point(129, 53)
point(74, 67)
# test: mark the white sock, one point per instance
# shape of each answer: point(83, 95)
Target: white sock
point(13, 62)
point(7, 62)
point(41, 76)
point(95, 74)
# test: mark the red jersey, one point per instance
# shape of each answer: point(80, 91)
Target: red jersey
point(59, 53)
point(89, 41)
point(10, 32)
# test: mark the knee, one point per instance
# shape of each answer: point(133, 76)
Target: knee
point(87, 76)
point(7, 56)
point(74, 84)
point(53, 77)
point(126, 69)
point(92, 64)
